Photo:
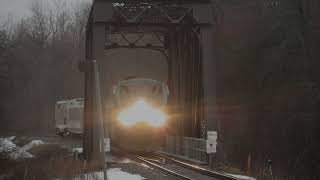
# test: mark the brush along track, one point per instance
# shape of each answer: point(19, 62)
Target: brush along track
point(198, 169)
point(165, 170)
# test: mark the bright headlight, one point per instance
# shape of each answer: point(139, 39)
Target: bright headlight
point(142, 112)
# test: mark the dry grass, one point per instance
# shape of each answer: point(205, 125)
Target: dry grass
point(41, 169)
point(50, 162)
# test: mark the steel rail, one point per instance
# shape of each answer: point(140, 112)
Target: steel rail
point(199, 169)
point(170, 172)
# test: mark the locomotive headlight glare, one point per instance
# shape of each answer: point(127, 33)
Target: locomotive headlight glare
point(142, 112)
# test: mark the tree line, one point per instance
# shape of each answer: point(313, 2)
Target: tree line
point(269, 85)
point(39, 56)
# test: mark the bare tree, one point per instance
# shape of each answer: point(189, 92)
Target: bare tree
point(81, 12)
point(6, 32)
point(39, 22)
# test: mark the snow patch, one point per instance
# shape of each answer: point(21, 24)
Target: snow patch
point(11, 138)
point(11, 151)
point(117, 173)
point(113, 174)
point(242, 177)
point(32, 144)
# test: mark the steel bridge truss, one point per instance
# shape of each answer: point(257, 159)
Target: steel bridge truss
point(182, 31)
point(173, 30)
point(146, 25)
point(154, 13)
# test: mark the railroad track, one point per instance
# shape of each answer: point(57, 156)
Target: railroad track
point(175, 168)
point(165, 170)
point(161, 162)
point(199, 169)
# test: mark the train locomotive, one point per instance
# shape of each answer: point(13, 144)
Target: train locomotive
point(139, 117)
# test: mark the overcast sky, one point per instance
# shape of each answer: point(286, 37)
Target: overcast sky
point(20, 8)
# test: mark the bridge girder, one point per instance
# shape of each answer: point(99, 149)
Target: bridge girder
point(184, 33)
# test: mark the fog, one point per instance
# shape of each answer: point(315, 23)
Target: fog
point(16, 9)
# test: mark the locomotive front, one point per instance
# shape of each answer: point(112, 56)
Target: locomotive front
point(139, 117)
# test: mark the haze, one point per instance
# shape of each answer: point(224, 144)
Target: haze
point(18, 8)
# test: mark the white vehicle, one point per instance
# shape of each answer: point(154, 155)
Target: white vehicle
point(69, 116)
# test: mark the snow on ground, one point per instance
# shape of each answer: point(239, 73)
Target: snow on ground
point(117, 173)
point(11, 138)
point(32, 144)
point(242, 177)
point(9, 150)
point(113, 174)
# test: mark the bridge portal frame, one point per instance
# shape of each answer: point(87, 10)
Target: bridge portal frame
point(188, 22)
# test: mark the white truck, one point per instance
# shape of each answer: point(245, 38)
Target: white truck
point(69, 117)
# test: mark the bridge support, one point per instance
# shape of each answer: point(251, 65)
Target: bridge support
point(209, 122)
point(93, 138)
